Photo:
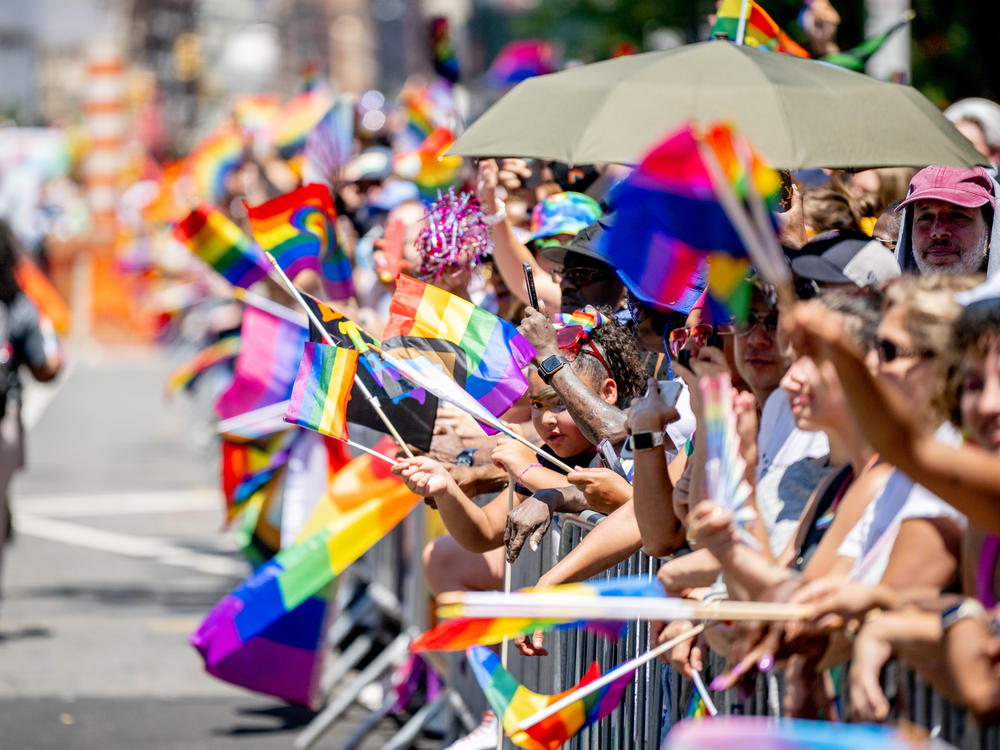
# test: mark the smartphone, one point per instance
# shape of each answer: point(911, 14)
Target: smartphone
point(670, 391)
point(684, 355)
point(609, 458)
point(529, 282)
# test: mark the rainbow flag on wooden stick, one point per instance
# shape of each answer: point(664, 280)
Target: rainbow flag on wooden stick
point(482, 353)
point(760, 31)
point(322, 389)
point(513, 702)
point(299, 230)
point(220, 243)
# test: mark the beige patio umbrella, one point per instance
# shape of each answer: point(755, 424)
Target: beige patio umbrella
point(799, 113)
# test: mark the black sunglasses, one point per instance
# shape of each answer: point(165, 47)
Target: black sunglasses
point(889, 350)
point(769, 321)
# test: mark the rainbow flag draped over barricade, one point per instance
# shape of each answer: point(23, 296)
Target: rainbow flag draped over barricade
point(322, 389)
point(761, 30)
point(299, 230)
point(267, 364)
point(669, 223)
point(184, 376)
point(267, 634)
point(482, 353)
point(769, 733)
point(409, 407)
point(223, 245)
point(462, 632)
point(513, 702)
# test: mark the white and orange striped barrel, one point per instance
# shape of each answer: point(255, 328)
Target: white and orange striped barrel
point(106, 119)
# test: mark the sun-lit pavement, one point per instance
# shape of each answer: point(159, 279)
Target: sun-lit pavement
point(118, 553)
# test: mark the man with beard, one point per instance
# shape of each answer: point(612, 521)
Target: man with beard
point(948, 222)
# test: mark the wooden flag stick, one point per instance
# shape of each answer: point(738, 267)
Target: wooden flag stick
point(373, 400)
point(369, 451)
point(270, 306)
point(630, 666)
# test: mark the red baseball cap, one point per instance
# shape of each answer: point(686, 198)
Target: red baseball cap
point(964, 187)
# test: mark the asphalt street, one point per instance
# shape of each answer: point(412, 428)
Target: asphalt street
point(118, 553)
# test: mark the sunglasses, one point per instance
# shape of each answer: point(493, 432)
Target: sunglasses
point(583, 275)
point(889, 351)
point(678, 337)
point(572, 338)
point(769, 321)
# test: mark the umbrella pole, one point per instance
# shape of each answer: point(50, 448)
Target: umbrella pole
point(741, 27)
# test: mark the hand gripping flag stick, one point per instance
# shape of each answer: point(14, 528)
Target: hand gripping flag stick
point(630, 666)
point(372, 399)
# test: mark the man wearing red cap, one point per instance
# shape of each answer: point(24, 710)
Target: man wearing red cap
point(947, 221)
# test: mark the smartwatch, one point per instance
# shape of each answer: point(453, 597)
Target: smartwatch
point(466, 457)
point(549, 367)
point(646, 440)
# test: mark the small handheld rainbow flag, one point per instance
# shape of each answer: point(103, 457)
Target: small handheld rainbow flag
point(482, 353)
point(724, 466)
point(322, 389)
point(220, 243)
point(761, 30)
point(299, 229)
point(513, 702)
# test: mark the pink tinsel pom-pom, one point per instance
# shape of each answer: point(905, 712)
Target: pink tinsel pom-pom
point(455, 233)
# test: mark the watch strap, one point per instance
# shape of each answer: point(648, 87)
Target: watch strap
point(645, 440)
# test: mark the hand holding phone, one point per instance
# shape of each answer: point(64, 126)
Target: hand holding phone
point(529, 282)
point(670, 391)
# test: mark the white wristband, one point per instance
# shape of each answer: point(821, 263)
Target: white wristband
point(499, 214)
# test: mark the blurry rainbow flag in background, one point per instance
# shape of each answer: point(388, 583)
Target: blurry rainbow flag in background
point(297, 117)
point(428, 166)
point(211, 161)
point(523, 59)
point(299, 229)
point(482, 353)
point(223, 245)
point(760, 31)
point(247, 467)
point(221, 352)
point(322, 389)
point(513, 702)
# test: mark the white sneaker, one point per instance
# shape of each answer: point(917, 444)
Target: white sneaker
point(483, 737)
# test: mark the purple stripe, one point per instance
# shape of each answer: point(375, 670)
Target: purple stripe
point(272, 668)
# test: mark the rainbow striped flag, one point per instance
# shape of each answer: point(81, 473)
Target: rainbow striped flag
point(221, 352)
point(220, 243)
point(212, 160)
point(299, 230)
point(322, 389)
point(247, 467)
point(330, 144)
point(696, 707)
point(443, 51)
point(670, 224)
point(425, 108)
point(462, 632)
point(428, 166)
point(482, 353)
point(266, 366)
point(761, 30)
point(297, 117)
point(588, 319)
point(266, 635)
point(256, 113)
point(513, 702)
point(523, 59)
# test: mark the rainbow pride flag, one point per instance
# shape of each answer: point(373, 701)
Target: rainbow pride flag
point(256, 113)
point(669, 223)
point(425, 107)
point(267, 363)
point(443, 51)
point(220, 243)
point(482, 353)
point(462, 632)
point(322, 389)
point(761, 30)
point(259, 636)
point(299, 229)
point(221, 352)
point(212, 160)
point(247, 467)
point(588, 319)
point(428, 167)
point(514, 703)
point(523, 59)
point(297, 117)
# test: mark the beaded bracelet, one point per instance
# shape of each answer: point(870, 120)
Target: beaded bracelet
point(529, 466)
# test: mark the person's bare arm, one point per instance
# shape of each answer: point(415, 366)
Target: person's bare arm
point(509, 253)
point(652, 487)
point(967, 477)
point(608, 543)
point(924, 555)
point(681, 574)
point(596, 418)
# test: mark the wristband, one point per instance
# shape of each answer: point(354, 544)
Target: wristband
point(529, 466)
point(499, 214)
point(467, 457)
point(965, 608)
point(645, 440)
